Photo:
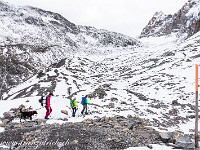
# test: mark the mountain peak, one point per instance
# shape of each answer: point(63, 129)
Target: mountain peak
point(160, 13)
point(185, 21)
point(155, 25)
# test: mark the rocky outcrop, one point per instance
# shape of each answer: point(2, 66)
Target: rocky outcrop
point(156, 25)
point(103, 133)
point(185, 21)
point(115, 132)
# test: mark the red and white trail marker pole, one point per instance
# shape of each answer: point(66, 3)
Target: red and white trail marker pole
point(196, 108)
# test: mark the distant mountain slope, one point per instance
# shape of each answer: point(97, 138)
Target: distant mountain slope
point(107, 38)
point(185, 21)
point(32, 39)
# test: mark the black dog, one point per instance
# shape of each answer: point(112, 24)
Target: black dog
point(29, 114)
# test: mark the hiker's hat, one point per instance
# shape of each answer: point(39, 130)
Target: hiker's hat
point(51, 94)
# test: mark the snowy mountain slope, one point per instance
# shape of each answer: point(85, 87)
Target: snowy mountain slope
point(105, 37)
point(154, 83)
point(184, 23)
point(32, 39)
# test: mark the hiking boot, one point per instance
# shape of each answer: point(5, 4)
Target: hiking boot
point(46, 118)
point(86, 113)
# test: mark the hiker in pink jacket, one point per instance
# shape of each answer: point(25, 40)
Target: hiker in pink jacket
point(48, 107)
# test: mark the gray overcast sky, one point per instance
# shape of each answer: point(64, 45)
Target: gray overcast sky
point(124, 16)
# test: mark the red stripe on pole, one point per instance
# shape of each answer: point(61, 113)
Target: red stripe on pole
point(196, 74)
point(196, 109)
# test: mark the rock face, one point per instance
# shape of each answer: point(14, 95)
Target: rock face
point(156, 25)
point(186, 20)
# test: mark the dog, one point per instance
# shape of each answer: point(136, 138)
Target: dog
point(29, 114)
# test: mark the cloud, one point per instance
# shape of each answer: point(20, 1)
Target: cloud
point(125, 16)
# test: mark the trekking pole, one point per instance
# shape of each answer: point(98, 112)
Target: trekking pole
point(71, 110)
point(39, 108)
point(88, 108)
point(77, 111)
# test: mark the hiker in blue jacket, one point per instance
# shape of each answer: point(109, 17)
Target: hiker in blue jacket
point(84, 103)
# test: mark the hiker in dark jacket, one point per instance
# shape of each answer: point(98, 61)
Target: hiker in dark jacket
point(84, 103)
point(73, 106)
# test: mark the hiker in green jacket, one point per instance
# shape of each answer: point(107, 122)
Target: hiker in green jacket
point(73, 106)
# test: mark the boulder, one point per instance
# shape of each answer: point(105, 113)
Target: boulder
point(175, 103)
point(111, 105)
point(177, 135)
point(114, 99)
point(98, 123)
point(2, 125)
point(17, 126)
point(9, 115)
point(65, 119)
point(88, 122)
point(29, 124)
point(125, 130)
point(150, 146)
point(130, 126)
point(129, 116)
point(74, 142)
point(123, 102)
point(40, 121)
point(5, 121)
point(14, 109)
point(106, 119)
point(116, 127)
point(102, 119)
point(9, 126)
point(106, 126)
point(185, 142)
point(21, 106)
point(98, 119)
point(166, 136)
point(64, 112)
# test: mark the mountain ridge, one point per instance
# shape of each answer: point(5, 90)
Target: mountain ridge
point(185, 21)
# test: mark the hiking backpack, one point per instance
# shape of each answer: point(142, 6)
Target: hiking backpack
point(83, 100)
point(42, 100)
point(72, 103)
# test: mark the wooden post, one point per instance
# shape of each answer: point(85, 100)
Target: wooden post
point(196, 109)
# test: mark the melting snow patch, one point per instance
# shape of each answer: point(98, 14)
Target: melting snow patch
point(2, 129)
point(154, 147)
